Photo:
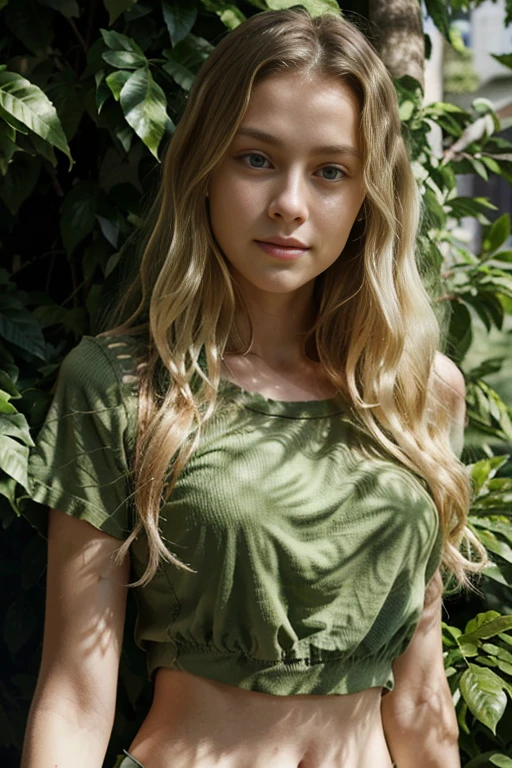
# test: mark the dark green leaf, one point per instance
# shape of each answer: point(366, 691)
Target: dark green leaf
point(20, 328)
point(460, 329)
point(78, 214)
point(65, 92)
point(116, 7)
point(483, 692)
point(180, 17)
point(19, 624)
point(7, 146)
point(19, 183)
point(28, 104)
point(30, 23)
point(505, 59)
point(117, 42)
point(497, 234)
point(438, 12)
point(469, 206)
point(144, 107)
point(68, 8)
point(14, 459)
point(185, 59)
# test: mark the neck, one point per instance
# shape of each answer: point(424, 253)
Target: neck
point(279, 324)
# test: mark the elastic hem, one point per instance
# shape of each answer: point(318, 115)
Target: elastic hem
point(336, 676)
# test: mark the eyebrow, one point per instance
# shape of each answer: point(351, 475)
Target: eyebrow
point(326, 149)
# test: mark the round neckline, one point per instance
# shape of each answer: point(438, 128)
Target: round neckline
point(291, 409)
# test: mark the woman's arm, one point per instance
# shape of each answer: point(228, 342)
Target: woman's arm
point(72, 712)
point(418, 715)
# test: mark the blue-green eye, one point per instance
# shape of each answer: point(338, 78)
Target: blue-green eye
point(254, 160)
point(332, 173)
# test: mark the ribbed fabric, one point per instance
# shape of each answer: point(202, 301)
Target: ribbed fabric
point(311, 550)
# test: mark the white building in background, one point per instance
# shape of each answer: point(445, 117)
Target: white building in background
point(489, 35)
point(484, 32)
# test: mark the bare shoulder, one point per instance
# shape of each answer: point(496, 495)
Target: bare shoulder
point(448, 377)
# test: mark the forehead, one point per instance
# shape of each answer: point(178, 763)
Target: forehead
point(302, 108)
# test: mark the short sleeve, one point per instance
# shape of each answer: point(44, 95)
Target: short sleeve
point(80, 462)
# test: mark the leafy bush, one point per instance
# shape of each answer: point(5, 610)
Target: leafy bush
point(89, 94)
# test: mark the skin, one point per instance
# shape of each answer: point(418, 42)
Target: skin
point(194, 722)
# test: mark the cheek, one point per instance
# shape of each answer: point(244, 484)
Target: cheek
point(233, 204)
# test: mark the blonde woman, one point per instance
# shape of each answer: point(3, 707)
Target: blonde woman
point(267, 432)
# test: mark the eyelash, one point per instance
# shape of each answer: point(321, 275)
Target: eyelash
point(245, 155)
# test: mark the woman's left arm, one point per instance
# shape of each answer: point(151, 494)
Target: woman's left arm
point(418, 715)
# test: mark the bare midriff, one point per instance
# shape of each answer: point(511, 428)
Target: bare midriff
point(198, 723)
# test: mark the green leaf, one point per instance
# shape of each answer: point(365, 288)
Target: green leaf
point(483, 692)
point(505, 666)
point(14, 459)
point(20, 328)
point(124, 59)
point(116, 7)
point(68, 8)
point(144, 107)
point(20, 623)
point(5, 405)
point(494, 545)
point(460, 329)
point(15, 425)
point(488, 629)
point(78, 214)
point(494, 573)
point(179, 17)
point(7, 146)
point(28, 104)
point(469, 206)
point(31, 24)
point(19, 183)
point(497, 234)
point(8, 385)
point(115, 82)
point(505, 59)
point(65, 93)
point(438, 12)
point(185, 59)
point(117, 42)
point(314, 7)
point(502, 761)
point(479, 168)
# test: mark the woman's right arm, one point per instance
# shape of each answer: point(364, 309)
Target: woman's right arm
point(72, 712)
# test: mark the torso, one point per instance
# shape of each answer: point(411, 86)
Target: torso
point(198, 723)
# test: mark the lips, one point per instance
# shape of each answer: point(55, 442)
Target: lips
point(284, 249)
point(285, 242)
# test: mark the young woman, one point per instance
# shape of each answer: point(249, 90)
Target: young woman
point(269, 431)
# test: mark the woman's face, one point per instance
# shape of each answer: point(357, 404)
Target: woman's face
point(292, 173)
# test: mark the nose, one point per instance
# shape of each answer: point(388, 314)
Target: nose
point(289, 199)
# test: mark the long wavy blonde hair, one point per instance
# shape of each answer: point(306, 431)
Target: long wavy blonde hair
point(375, 333)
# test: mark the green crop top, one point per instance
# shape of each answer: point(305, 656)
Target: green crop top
point(311, 554)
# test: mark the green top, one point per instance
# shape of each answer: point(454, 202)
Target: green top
point(311, 549)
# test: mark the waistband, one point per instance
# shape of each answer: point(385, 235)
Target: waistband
point(337, 675)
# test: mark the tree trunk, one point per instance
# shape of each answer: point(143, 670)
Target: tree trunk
point(397, 29)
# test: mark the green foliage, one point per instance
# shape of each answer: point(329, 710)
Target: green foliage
point(89, 96)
